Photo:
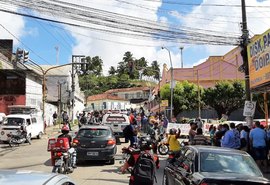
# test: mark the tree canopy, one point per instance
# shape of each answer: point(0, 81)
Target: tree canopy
point(225, 97)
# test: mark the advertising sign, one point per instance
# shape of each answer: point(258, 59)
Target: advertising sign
point(259, 60)
point(249, 108)
point(164, 103)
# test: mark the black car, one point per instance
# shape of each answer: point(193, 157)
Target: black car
point(95, 142)
point(207, 165)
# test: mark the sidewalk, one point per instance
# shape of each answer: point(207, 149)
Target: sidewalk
point(56, 129)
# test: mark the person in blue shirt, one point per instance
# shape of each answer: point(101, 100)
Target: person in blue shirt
point(258, 145)
point(231, 138)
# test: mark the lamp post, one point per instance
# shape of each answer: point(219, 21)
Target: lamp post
point(182, 62)
point(44, 72)
point(171, 106)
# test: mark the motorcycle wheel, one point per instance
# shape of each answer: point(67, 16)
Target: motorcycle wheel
point(13, 142)
point(163, 149)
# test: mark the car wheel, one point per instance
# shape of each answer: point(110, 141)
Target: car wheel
point(39, 135)
point(111, 161)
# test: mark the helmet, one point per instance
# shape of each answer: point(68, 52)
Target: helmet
point(172, 131)
point(145, 143)
point(65, 129)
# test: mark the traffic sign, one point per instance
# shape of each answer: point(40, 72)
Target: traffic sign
point(249, 108)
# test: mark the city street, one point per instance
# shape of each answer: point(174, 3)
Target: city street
point(36, 157)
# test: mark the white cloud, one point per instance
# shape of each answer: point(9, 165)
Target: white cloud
point(16, 28)
point(224, 20)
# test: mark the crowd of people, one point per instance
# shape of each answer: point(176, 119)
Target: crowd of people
point(255, 141)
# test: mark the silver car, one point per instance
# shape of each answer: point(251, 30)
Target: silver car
point(24, 177)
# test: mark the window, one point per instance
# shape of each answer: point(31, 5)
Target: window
point(34, 120)
point(93, 132)
point(28, 121)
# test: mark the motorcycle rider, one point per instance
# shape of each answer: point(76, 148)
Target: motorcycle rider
point(23, 132)
point(71, 150)
point(145, 146)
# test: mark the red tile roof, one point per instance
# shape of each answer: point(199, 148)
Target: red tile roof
point(104, 96)
point(128, 89)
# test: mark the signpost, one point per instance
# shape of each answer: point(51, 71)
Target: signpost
point(249, 108)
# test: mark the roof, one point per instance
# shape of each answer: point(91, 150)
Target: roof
point(95, 126)
point(128, 89)
point(27, 177)
point(104, 96)
point(205, 148)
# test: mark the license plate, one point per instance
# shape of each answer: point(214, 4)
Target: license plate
point(92, 153)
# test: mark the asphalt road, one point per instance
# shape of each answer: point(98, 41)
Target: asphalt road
point(35, 157)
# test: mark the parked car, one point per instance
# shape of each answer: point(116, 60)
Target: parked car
point(117, 122)
point(21, 177)
point(208, 165)
point(95, 142)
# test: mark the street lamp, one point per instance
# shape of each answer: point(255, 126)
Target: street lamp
point(44, 72)
point(182, 62)
point(171, 113)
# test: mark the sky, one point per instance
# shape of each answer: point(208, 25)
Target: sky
point(198, 17)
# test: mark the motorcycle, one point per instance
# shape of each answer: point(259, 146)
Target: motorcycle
point(127, 152)
point(63, 161)
point(163, 146)
point(18, 138)
point(62, 155)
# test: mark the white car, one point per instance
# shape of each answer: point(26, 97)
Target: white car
point(117, 122)
point(25, 177)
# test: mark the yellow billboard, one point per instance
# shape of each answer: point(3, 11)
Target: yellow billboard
point(259, 60)
point(164, 103)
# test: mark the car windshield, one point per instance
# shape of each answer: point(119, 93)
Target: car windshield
point(93, 132)
point(228, 163)
point(14, 121)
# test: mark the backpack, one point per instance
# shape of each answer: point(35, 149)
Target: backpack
point(144, 170)
point(127, 131)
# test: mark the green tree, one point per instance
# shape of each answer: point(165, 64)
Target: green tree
point(93, 66)
point(185, 96)
point(112, 71)
point(225, 97)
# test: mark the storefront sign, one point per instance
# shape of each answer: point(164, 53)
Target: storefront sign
point(259, 60)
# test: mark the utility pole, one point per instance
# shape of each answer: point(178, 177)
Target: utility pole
point(182, 62)
point(74, 62)
point(244, 44)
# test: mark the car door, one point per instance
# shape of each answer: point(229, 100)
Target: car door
point(185, 168)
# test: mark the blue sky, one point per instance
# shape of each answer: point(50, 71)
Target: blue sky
point(41, 37)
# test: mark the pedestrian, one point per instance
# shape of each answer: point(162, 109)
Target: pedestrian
point(199, 138)
point(258, 140)
point(192, 131)
point(54, 118)
point(65, 119)
point(244, 138)
point(231, 138)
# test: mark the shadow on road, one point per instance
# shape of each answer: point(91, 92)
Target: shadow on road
point(119, 181)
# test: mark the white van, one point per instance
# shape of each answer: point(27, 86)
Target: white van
point(117, 122)
point(33, 123)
